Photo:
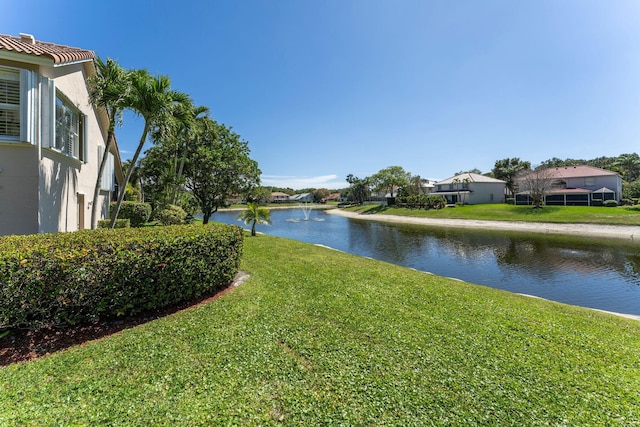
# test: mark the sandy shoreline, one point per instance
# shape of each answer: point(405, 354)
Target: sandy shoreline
point(626, 232)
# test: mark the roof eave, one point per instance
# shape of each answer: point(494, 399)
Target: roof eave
point(27, 58)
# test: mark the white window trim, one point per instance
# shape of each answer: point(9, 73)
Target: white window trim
point(50, 127)
point(27, 110)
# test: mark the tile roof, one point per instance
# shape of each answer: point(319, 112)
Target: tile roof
point(579, 172)
point(59, 54)
point(472, 177)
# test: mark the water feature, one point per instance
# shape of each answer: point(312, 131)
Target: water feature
point(596, 273)
point(306, 210)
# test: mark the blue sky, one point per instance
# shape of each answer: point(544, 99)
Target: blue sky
point(322, 89)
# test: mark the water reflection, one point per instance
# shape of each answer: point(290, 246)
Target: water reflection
point(595, 273)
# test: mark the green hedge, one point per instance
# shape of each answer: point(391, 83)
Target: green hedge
point(171, 215)
point(69, 278)
point(120, 223)
point(137, 213)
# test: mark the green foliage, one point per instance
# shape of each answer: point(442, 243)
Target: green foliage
point(218, 167)
point(633, 208)
point(507, 170)
point(390, 179)
point(359, 189)
point(510, 201)
point(422, 201)
point(68, 278)
point(171, 215)
point(255, 214)
point(132, 194)
point(137, 213)
point(120, 223)
point(610, 203)
point(631, 190)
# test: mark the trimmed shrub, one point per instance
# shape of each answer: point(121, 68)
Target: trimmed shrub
point(627, 202)
point(69, 278)
point(137, 213)
point(634, 208)
point(610, 203)
point(120, 223)
point(422, 201)
point(171, 215)
point(510, 201)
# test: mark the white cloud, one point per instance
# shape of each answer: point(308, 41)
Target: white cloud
point(298, 182)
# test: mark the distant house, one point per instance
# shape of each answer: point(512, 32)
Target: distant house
point(279, 197)
point(51, 139)
point(304, 197)
point(579, 186)
point(333, 197)
point(470, 188)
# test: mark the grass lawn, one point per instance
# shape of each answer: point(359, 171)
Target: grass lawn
point(318, 337)
point(504, 212)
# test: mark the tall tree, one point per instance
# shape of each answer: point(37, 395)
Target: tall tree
point(390, 179)
point(153, 99)
point(507, 170)
point(218, 167)
point(630, 166)
point(536, 183)
point(108, 90)
point(164, 161)
point(359, 188)
point(255, 214)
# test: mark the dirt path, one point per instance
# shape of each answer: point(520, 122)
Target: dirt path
point(626, 232)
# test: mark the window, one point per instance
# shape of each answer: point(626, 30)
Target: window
point(589, 182)
point(9, 104)
point(69, 129)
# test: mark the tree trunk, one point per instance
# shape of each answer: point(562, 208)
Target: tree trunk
point(96, 191)
point(253, 228)
point(132, 166)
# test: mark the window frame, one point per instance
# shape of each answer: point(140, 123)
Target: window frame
point(77, 150)
point(11, 108)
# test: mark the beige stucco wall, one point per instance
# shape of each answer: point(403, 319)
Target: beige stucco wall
point(482, 191)
point(39, 187)
point(18, 189)
point(72, 177)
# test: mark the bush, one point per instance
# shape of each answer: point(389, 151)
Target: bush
point(171, 215)
point(510, 201)
point(120, 223)
point(610, 203)
point(69, 278)
point(137, 213)
point(627, 202)
point(634, 208)
point(422, 201)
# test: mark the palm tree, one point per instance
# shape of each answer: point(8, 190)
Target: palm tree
point(108, 90)
point(630, 164)
point(152, 98)
point(255, 214)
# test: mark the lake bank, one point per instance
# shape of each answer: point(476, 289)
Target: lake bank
point(626, 232)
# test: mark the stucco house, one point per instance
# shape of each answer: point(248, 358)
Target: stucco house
point(471, 188)
point(279, 197)
point(579, 186)
point(51, 138)
point(303, 197)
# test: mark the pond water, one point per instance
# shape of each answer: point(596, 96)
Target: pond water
point(595, 273)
